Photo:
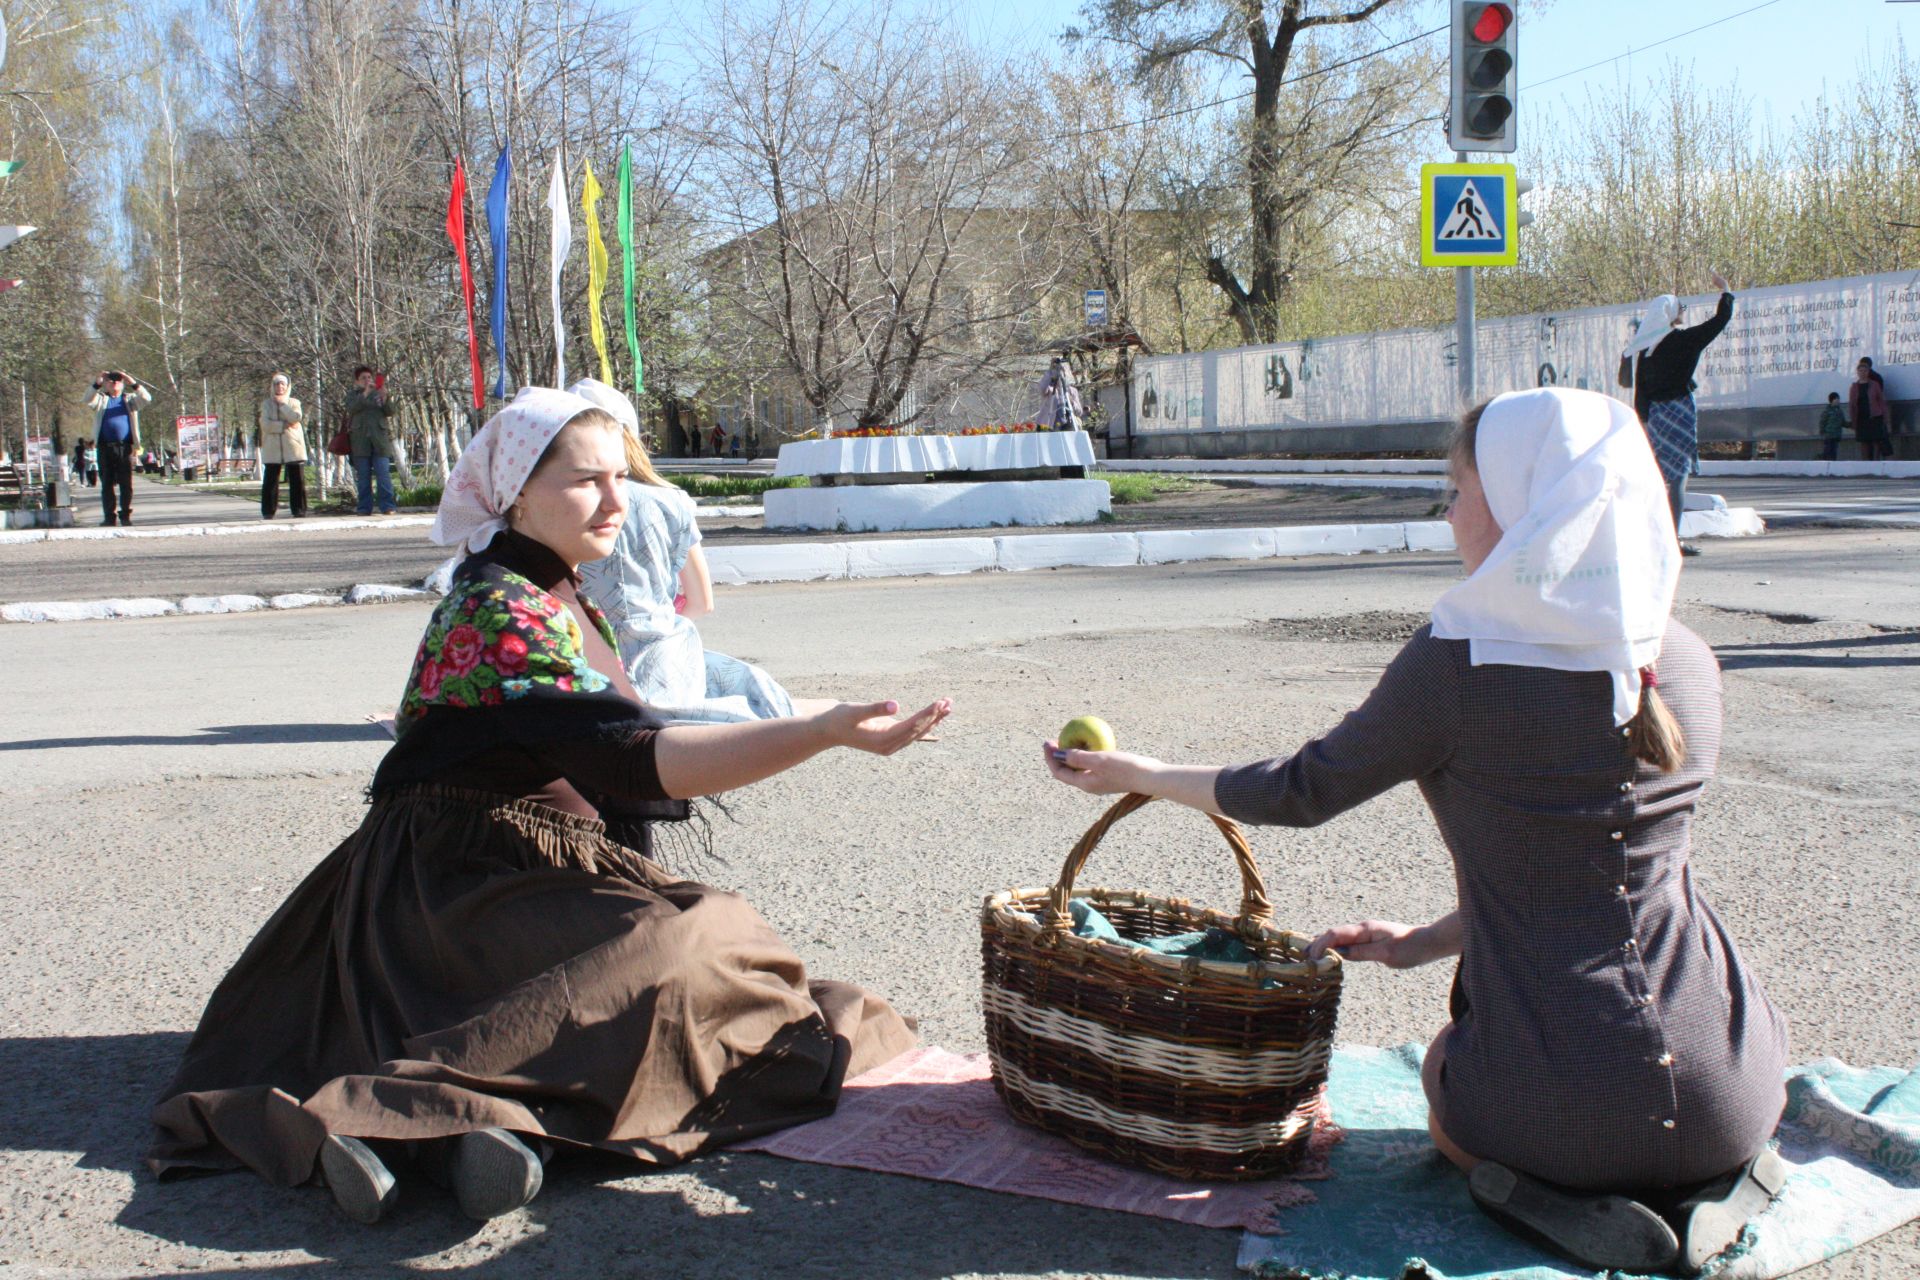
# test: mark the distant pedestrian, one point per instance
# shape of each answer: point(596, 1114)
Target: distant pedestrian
point(116, 402)
point(1833, 425)
point(1060, 406)
point(1658, 364)
point(719, 439)
point(1867, 406)
point(283, 445)
point(372, 442)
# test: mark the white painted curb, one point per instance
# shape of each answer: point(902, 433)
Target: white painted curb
point(1438, 466)
point(739, 565)
point(318, 525)
point(907, 557)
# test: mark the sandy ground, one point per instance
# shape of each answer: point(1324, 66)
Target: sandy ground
point(172, 779)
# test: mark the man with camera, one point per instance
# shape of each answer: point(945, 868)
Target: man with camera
point(116, 404)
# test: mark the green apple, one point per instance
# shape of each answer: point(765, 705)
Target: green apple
point(1087, 733)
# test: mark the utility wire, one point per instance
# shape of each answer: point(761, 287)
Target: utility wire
point(1655, 45)
point(1221, 102)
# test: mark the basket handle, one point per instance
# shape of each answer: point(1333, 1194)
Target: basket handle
point(1254, 907)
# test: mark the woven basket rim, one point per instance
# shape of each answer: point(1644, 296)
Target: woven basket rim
point(1005, 911)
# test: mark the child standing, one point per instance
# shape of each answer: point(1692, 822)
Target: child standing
point(1833, 425)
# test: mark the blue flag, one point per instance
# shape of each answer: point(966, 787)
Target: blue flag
point(497, 235)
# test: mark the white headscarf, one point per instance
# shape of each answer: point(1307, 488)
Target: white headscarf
point(610, 399)
point(496, 464)
point(1656, 324)
point(1583, 577)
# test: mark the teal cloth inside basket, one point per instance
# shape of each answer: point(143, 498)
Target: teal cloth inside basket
point(1217, 945)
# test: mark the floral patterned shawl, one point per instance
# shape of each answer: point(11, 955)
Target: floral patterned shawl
point(502, 663)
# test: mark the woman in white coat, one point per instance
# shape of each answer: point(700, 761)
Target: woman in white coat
point(656, 560)
point(283, 445)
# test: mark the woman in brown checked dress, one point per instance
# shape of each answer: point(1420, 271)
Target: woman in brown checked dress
point(493, 966)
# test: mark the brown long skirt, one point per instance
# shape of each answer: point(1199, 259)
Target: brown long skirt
point(464, 961)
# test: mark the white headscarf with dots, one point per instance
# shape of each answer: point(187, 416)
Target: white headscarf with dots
point(496, 464)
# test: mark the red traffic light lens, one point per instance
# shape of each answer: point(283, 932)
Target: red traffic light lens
point(1493, 22)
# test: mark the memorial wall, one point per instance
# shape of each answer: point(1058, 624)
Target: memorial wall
point(1787, 346)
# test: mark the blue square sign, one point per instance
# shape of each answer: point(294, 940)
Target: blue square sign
point(1467, 215)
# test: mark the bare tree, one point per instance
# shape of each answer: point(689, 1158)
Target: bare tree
point(884, 251)
point(1330, 124)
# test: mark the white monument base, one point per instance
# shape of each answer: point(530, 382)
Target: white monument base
point(883, 508)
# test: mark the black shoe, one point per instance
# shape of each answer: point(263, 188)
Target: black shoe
point(1601, 1231)
point(1688, 549)
point(1712, 1220)
point(126, 517)
point(362, 1186)
point(108, 523)
point(494, 1173)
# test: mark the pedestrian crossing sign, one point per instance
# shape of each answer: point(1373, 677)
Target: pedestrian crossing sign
point(1468, 215)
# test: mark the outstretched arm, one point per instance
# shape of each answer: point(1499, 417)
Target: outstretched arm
point(1405, 729)
point(1391, 943)
point(700, 760)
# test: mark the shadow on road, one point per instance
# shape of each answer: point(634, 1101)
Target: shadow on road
point(222, 735)
point(725, 1215)
point(1821, 653)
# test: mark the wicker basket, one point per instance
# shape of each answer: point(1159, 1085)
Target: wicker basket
point(1188, 1067)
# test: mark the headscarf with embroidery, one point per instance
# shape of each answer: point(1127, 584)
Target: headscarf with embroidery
point(496, 464)
point(1584, 574)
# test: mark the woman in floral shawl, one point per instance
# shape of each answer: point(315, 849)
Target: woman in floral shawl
point(494, 966)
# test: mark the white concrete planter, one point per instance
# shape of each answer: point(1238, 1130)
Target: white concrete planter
point(981, 505)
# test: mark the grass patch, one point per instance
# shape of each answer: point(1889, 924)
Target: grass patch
point(704, 486)
point(1148, 486)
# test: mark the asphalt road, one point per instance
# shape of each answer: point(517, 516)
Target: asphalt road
point(322, 559)
point(170, 780)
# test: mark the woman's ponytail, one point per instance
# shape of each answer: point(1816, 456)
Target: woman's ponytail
point(1653, 735)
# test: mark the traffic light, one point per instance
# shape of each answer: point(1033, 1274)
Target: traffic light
point(1481, 107)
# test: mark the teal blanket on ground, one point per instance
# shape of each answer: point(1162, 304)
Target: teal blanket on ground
point(1212, 944)
point(1396, 1210)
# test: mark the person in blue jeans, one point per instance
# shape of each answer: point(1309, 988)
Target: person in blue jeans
point(367, 411)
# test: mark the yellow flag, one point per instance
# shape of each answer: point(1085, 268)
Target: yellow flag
point(590, 195)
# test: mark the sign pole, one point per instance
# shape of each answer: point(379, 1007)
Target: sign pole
point(1463, 321)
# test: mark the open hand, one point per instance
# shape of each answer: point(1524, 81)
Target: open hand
point(878, 727)
point(1100, 773)
point(1720, 283)
point(1388, 942)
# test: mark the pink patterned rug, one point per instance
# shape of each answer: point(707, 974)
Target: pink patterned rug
point(933, 1114)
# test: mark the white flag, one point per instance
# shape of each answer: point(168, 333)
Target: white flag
point(9, 234)
point(562, 241)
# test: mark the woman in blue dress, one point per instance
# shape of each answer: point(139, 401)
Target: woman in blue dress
point(657, 559)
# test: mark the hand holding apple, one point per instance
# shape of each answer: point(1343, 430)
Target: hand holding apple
point(1088, 733)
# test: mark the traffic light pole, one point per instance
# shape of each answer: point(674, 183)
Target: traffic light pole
point(1463, 321)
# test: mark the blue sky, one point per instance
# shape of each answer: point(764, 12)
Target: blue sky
point(1779, 54)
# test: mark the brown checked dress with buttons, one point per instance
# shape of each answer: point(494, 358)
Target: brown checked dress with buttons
point(1607, 1035)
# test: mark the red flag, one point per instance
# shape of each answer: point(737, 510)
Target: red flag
point(10, 284)
point(457, 232)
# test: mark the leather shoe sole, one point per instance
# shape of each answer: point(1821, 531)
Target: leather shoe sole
point(494, 1173)
point(1594, 1230)
point(1715, 1220)
point(362, 1186)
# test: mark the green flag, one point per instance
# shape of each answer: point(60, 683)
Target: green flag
point(626, 262)
point(8, 168)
